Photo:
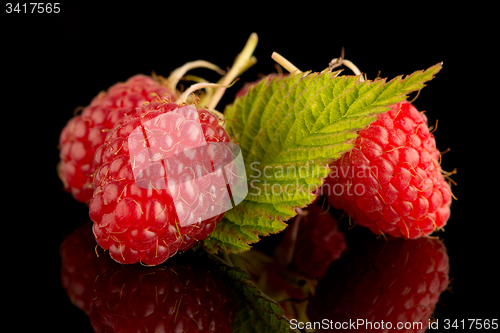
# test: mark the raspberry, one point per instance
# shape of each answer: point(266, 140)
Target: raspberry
point(159, 184)
point(84, 133)
point(395, 282)
point(392, 182)
point(319, 243)
point(181, 296)
point(80, 266)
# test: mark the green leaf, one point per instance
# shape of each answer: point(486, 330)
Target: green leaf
point(289, 130)
point(256, 311)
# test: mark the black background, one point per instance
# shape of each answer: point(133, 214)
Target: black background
point(53, 63)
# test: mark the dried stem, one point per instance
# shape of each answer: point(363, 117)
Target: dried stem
point(178, 73)
point(243, 61)
point(285, 63)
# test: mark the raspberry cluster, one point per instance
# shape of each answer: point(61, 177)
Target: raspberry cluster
point(159, 175)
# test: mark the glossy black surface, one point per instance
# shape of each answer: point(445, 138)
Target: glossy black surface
point(52, 65)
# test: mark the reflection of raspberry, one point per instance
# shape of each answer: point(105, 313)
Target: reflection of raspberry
point(310, 244)
point(159, 184)
point(319, 242)
point(86, 132)
point(391, 182)
point(394, 281)
point(177, 297)
point(80, 266)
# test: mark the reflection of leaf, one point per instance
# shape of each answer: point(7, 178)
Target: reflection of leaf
point(289, 129)
point(256, 311)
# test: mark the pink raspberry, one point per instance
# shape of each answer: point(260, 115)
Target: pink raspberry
point(84, 133)
point(392, 182)
point(159, 182)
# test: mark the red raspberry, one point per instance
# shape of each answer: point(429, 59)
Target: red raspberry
point(178, 297)
point(84, 133)
point(391, 182)
point(80, 266)
point(159, 184)
point(394, 281)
